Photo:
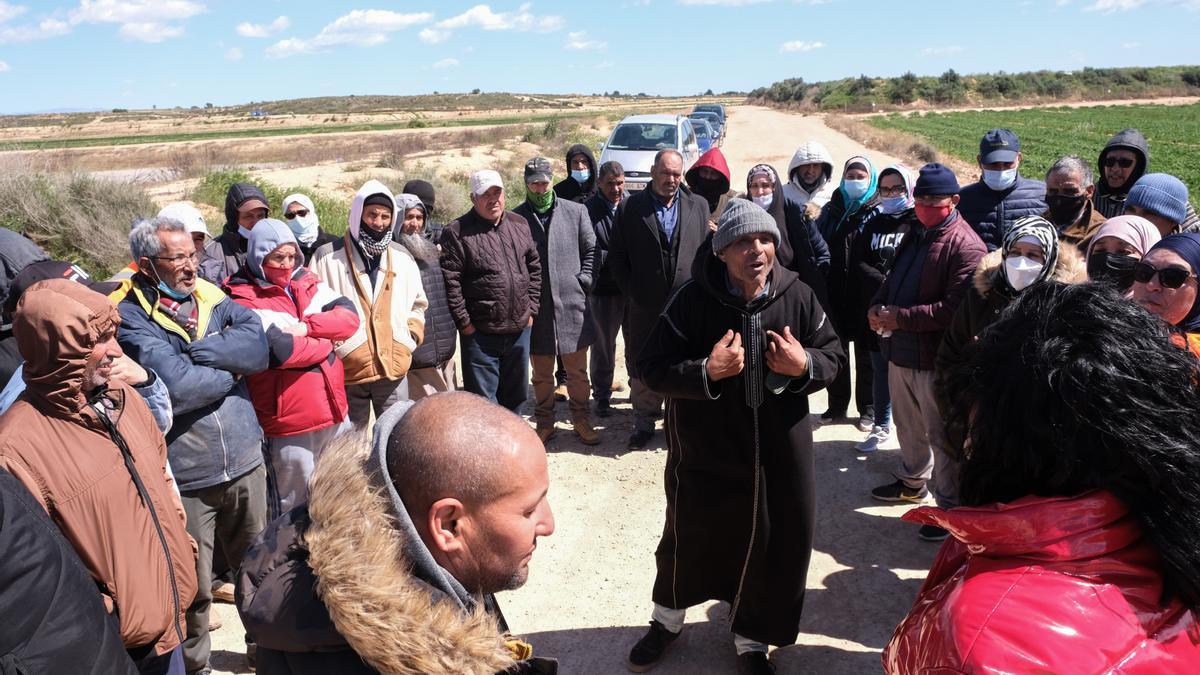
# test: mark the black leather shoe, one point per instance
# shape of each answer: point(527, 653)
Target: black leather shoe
point(650, 649)
point(755, 663)
point(639, 439)
point(603, 409)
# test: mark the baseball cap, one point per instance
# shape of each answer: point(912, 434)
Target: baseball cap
point(537, 170)
point(187, 214)
point(999, 145)
point(484, 180)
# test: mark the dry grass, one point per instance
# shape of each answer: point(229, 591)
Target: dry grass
point(911, 148)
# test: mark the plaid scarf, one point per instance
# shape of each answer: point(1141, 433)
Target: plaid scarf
point(175, 311)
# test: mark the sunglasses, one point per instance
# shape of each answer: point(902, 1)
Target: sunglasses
point(1168, 277)
point(291, 215)
point(1123, 162)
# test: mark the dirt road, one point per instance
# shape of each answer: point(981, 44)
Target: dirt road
point(588, 598)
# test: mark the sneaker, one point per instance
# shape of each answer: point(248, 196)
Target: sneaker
point(560, 392)
point(866, 422)
point(650, 649)
point(587, 435)
point(222, 591)
point(603, 409)
point(830, 416)
point(877, 437)
point(899, 492)
point(755, 663)
point(546, 433)
point(932, 533)
point(638, 439)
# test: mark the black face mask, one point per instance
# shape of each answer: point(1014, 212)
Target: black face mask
point(705, 187)
point(1064, 208)
point(1112, 268)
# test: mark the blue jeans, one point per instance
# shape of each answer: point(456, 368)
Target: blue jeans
point(496, 366)
point(879, 388)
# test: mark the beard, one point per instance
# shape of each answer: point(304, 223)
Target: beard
point(421, 248)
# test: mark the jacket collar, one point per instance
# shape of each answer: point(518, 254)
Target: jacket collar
point(1070, 269)
point(207, 296)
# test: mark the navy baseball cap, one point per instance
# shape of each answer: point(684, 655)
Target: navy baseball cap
point(999, 145)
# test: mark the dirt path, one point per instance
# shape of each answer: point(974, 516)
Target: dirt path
point(588, 598)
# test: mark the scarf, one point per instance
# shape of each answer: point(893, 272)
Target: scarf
point(374, 243)
point(1047, 237)
point(177, 312)
point(1186, 245)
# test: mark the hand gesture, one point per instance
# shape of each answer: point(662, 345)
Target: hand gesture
point(785, 355)
point(726, 358)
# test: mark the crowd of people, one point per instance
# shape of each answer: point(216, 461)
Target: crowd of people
point(199, 426)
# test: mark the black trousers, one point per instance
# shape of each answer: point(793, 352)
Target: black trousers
point(839, 389)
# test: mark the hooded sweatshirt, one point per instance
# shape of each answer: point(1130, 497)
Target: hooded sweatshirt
point(97, 463)
point(345, 584)
point(571, 189)
point(717, 193)
point(1110, 200)
point(227, 253)
point(391, 306)
point(820, 193)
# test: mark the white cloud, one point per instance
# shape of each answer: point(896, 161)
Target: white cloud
point(799, 46)
point(262, 30)
point(948, 50)
point(48, 28)
point(9, 12)
point(579, 41)
point(362, 27)
point(234, 54)
point(4, 67)
point(446, 63)
point(1110, 6)
point(482, 16)
point(433, 36)
point(140, 20)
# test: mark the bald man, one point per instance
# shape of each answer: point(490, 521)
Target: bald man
point(410, 535)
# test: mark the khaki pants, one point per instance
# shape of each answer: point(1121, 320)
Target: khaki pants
point(424, 382)
point(578, 388)
point(919, 427)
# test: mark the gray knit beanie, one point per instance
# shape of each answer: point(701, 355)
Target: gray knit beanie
point(742, 217)
point(1160, 193)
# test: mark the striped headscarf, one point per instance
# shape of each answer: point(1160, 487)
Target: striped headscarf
point(1044, 233)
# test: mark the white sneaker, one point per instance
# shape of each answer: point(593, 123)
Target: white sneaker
point(877, 437)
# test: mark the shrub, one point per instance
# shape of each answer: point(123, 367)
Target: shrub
point(333, 213)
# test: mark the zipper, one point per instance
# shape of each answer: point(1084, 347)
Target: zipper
point(221, 435)
point(126, 455)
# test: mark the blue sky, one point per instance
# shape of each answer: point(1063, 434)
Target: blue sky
point(97, 54)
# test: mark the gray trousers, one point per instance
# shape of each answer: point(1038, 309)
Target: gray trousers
point(608, 311)
point(290, 463)
point(424, 382)
point(922, 436)
point(380, 395)
point(234, 512)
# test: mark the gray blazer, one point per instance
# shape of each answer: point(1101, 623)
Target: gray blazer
point(567, 246)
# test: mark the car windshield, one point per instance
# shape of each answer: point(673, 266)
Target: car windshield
point(711, 118)
point(709, 108)
point(702, 129)
point(643, 136)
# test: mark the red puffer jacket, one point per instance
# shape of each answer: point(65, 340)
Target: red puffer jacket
point(1044, 585)
point(304, 388)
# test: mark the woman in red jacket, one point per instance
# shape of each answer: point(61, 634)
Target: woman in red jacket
point(1077, 549)
point(301, 399)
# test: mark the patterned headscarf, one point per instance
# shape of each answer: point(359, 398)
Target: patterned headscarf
point(1040, 229)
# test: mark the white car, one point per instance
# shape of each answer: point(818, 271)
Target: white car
point(637, 138)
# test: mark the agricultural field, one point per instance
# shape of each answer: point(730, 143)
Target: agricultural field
point(1173, 133)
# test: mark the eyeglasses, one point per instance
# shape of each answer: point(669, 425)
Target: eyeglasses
point(1123, 162)
point(291, 215)
point(179, 260)
point(885, 191)
point(1168, 277)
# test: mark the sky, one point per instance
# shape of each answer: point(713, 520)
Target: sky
point(101, 54)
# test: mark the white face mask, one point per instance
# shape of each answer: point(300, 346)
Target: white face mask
point(1021, 271)
point(764, 200)
point(305, 228)
point(999, 180)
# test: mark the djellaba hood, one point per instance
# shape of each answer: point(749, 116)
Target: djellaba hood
point(371, 187)
point(240, 193)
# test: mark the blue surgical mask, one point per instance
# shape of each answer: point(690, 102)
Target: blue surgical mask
point(855, 189)
point(305, 228)
point(999, 180)
point(172, 293)
point(581, 175)
point(244, 232)
point(894, 204)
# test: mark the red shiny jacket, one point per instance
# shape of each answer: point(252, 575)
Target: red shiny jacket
point(1044, 585)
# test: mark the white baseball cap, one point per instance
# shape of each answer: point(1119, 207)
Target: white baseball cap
point(187, 214)
point(482, 181)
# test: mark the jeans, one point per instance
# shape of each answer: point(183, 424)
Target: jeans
point(496, 367)
point(235, 512)
point(882, 399)
point(608, 311)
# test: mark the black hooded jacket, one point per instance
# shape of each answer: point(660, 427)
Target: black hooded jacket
point(1109, 200)
point(569, 188)
point(227, 253)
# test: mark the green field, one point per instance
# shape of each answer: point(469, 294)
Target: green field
point(1046, 134)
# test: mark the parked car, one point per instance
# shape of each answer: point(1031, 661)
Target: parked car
point(713, 108)
point(705, 135)
point(637, 138)
point(713, 119)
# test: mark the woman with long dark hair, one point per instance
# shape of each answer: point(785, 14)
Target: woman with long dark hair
point(1077, 548)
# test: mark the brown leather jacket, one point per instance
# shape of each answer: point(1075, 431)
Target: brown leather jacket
point(102, 478)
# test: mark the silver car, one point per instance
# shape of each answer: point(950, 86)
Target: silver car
point(637, 139)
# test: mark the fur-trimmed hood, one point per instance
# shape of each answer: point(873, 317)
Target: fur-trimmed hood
point(395, 608)
point(1070, 269)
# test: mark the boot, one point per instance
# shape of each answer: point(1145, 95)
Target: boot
point(587, 435)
